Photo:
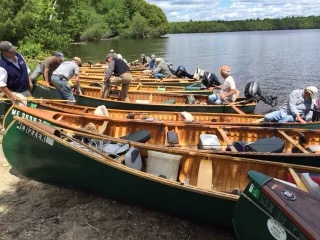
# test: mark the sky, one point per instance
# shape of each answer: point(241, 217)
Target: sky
point(207, 10)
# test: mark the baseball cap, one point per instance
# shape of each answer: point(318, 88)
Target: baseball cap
point(7, 46)
point(158, 59)
point(60, 55)
point(313, 91)
point(153, 56)
point(225, 69)
point(77, 59)
point(109, 55)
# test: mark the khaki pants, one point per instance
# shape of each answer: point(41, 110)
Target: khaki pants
point(124, 80)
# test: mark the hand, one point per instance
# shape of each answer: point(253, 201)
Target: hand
point(299, 119)
point(30, 86)
point(46, 83)
point(222, 96)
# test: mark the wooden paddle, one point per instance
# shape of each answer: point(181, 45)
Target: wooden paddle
point(40, 99)
point(231, 105)
point(298, 181)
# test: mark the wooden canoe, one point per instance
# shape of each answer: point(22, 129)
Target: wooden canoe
point(197, 117)
point(189, 135)
point(202, 187)
point(148, 88)
point(276, 210)
point(144, 80)
point(146, 101)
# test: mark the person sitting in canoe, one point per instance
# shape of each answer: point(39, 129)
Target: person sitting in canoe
point(162, 70)
point(296, 107)
point(145, 60)
point(228, 88)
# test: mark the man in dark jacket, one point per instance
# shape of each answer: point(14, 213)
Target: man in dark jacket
point(122, 76)
point(14, 77)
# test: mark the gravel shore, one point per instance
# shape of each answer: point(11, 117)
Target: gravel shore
point(30, 210)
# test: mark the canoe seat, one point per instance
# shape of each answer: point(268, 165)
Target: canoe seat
point(209, 141)
point(314, 148)
point(172, 139)
point(163, 165)
point(271, 145)
point(101, 111)
point(141, 136)
point(132, 159)
point(311, 185)
point(169, 101)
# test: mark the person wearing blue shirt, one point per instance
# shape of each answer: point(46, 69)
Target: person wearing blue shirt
point(14, 78)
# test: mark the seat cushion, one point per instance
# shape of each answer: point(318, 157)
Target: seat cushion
point(164, 164)
point(141, 136)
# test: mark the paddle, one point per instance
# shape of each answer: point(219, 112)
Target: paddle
point(40, 99)
point(231, 105)
point(298, 181)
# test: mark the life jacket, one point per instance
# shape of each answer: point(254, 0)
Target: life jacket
point(120, 67)
point(316, 112)
point(18, 79)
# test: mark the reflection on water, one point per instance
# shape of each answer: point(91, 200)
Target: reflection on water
point(280, 61)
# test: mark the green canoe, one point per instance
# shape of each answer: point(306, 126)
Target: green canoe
point(270, 209)
point(202, 187)
point(146, 101)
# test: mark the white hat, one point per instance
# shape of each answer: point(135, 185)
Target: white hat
point(313, 91)
point(158, 59)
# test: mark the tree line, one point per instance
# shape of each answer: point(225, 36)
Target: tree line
point(311, 22)
point(40, 27)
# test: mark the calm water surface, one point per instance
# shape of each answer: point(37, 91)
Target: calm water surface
point(280, 61)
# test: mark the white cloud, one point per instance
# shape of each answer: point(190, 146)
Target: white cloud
point(179, 10)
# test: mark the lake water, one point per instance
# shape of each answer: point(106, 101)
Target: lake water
point(280, 61)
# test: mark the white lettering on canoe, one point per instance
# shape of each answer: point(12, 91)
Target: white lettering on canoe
point(24, 115)
point(38, 135)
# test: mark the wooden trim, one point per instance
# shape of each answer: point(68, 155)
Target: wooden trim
point(293, 141)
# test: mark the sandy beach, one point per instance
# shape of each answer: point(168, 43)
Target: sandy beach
point(30, 210)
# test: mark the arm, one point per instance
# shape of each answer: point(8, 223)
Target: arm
point(107, 77)
point(8, 93)
point(46, 76)
point(292, 102)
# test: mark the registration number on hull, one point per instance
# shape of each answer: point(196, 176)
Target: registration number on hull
point(38, 135)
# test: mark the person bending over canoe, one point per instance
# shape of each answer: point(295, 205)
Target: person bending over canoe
point(228, 88)
point(61, 76)
point(122, 74)
point(296, 107)
point(46, 68)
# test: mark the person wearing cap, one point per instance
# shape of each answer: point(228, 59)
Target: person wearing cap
point(61, 76)
point(228, 88)
point(46, 67)
point(122, 76)
point(14, 77)
point(162, 70)
point(296, 108)
point(145, 60)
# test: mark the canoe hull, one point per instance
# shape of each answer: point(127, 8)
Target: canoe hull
point(56, 164)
